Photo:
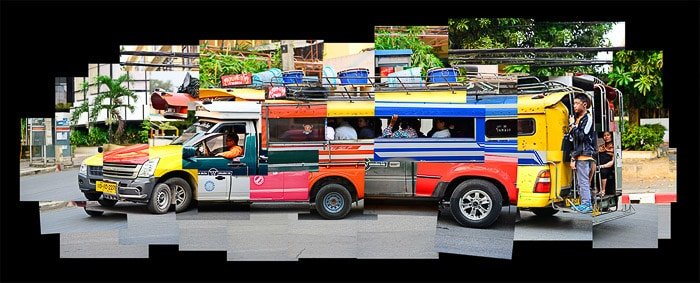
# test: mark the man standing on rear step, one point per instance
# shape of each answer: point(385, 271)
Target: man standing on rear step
point(581, 131)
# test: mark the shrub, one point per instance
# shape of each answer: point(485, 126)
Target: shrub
point(98, 136)
point(647, 137)
point(79, 137)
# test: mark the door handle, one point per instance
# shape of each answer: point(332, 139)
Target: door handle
point(220, 177)
point(236, 164)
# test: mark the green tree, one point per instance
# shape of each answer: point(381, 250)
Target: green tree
point(214, 65)
point(639, 75)
point(423, 54)
point(111, 101)
point(483, 33)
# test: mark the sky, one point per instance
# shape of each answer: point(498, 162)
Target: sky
point(175, 77)
point(617, 39)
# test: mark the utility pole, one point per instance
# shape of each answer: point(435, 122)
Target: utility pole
point(287, 47)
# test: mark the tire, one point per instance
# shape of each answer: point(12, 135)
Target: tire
point(94, 213)
point(92, 196)
point(544, 211)
point(466, 208)
point(182, 191)
point(160, 199)
point(107, 202)
point(333, 201)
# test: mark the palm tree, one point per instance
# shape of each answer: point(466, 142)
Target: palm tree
point(111, 101)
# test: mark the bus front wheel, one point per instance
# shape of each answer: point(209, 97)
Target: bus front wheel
point(476, 203)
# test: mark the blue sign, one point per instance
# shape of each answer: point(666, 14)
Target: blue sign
point(209, 186)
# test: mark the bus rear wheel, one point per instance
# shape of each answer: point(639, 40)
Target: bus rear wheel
point(333, 201)
point(476, 203)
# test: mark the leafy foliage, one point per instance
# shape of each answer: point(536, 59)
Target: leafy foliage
point(110, 101)
point(214, 65)
point(482, 33)
point(639, 75)
point(646, 137)
point(63, 107)
point(423, 55)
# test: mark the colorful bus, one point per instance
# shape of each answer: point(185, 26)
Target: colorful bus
point(495, 149)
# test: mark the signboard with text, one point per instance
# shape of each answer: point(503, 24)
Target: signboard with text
point(236, 80)
point(277, 92)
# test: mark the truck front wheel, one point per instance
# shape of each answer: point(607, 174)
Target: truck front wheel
point(333, 201)
point(160, 199)
point(476, 203)
point(183, 193)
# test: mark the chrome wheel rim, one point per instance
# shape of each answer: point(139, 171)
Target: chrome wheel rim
point(475, 205)
point(180, 195)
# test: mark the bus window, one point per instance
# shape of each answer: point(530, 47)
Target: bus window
point(526, 127)
point(296, 129)
point(501, 128)
point(461, 127)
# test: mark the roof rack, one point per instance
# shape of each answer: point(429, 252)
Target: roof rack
point(365, 88)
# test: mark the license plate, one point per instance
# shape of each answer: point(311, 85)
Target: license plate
point(106, 187)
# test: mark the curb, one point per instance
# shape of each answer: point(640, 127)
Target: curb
point(660, 198)
point(37, 171)
point(49, 205)
point(45, 170)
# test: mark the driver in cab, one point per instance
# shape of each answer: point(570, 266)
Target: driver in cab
point(234, 150)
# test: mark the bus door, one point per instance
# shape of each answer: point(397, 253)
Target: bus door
point(393, 177)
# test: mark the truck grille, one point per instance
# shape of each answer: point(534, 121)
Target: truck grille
point(95, 171)
point(121, 171)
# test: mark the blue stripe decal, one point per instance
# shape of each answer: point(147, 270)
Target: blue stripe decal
point(385, 111)
point(426, 149)
point(498, 112)
point(480, 129)
point(436, 158)
point(493, 99)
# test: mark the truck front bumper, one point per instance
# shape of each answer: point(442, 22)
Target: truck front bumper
point(136, 190)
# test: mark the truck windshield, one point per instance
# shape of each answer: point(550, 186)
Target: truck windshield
point(191, 131)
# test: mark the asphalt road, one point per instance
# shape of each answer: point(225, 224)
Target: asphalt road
point(664, 212)
point(73, 219)
point(101, 244)
point(55, 186)
point(287, 232)
point(495, 241)
point(639, 230)
point(564, 226)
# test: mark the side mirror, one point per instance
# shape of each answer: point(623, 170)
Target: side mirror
point(100, 149)
point(188, 151)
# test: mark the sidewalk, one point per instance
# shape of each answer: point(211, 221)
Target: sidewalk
point(80, 154)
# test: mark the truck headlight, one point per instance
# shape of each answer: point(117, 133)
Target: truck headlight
point(83, 169)
point(148, 168)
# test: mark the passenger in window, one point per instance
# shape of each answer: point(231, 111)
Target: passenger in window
point(606, 159)
point(440, 129)
point(365, 127)
point(415, 124)
point(344, 131)
point(307, 133)
point(234, 150)
point(330, 132)
point(403, 130)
